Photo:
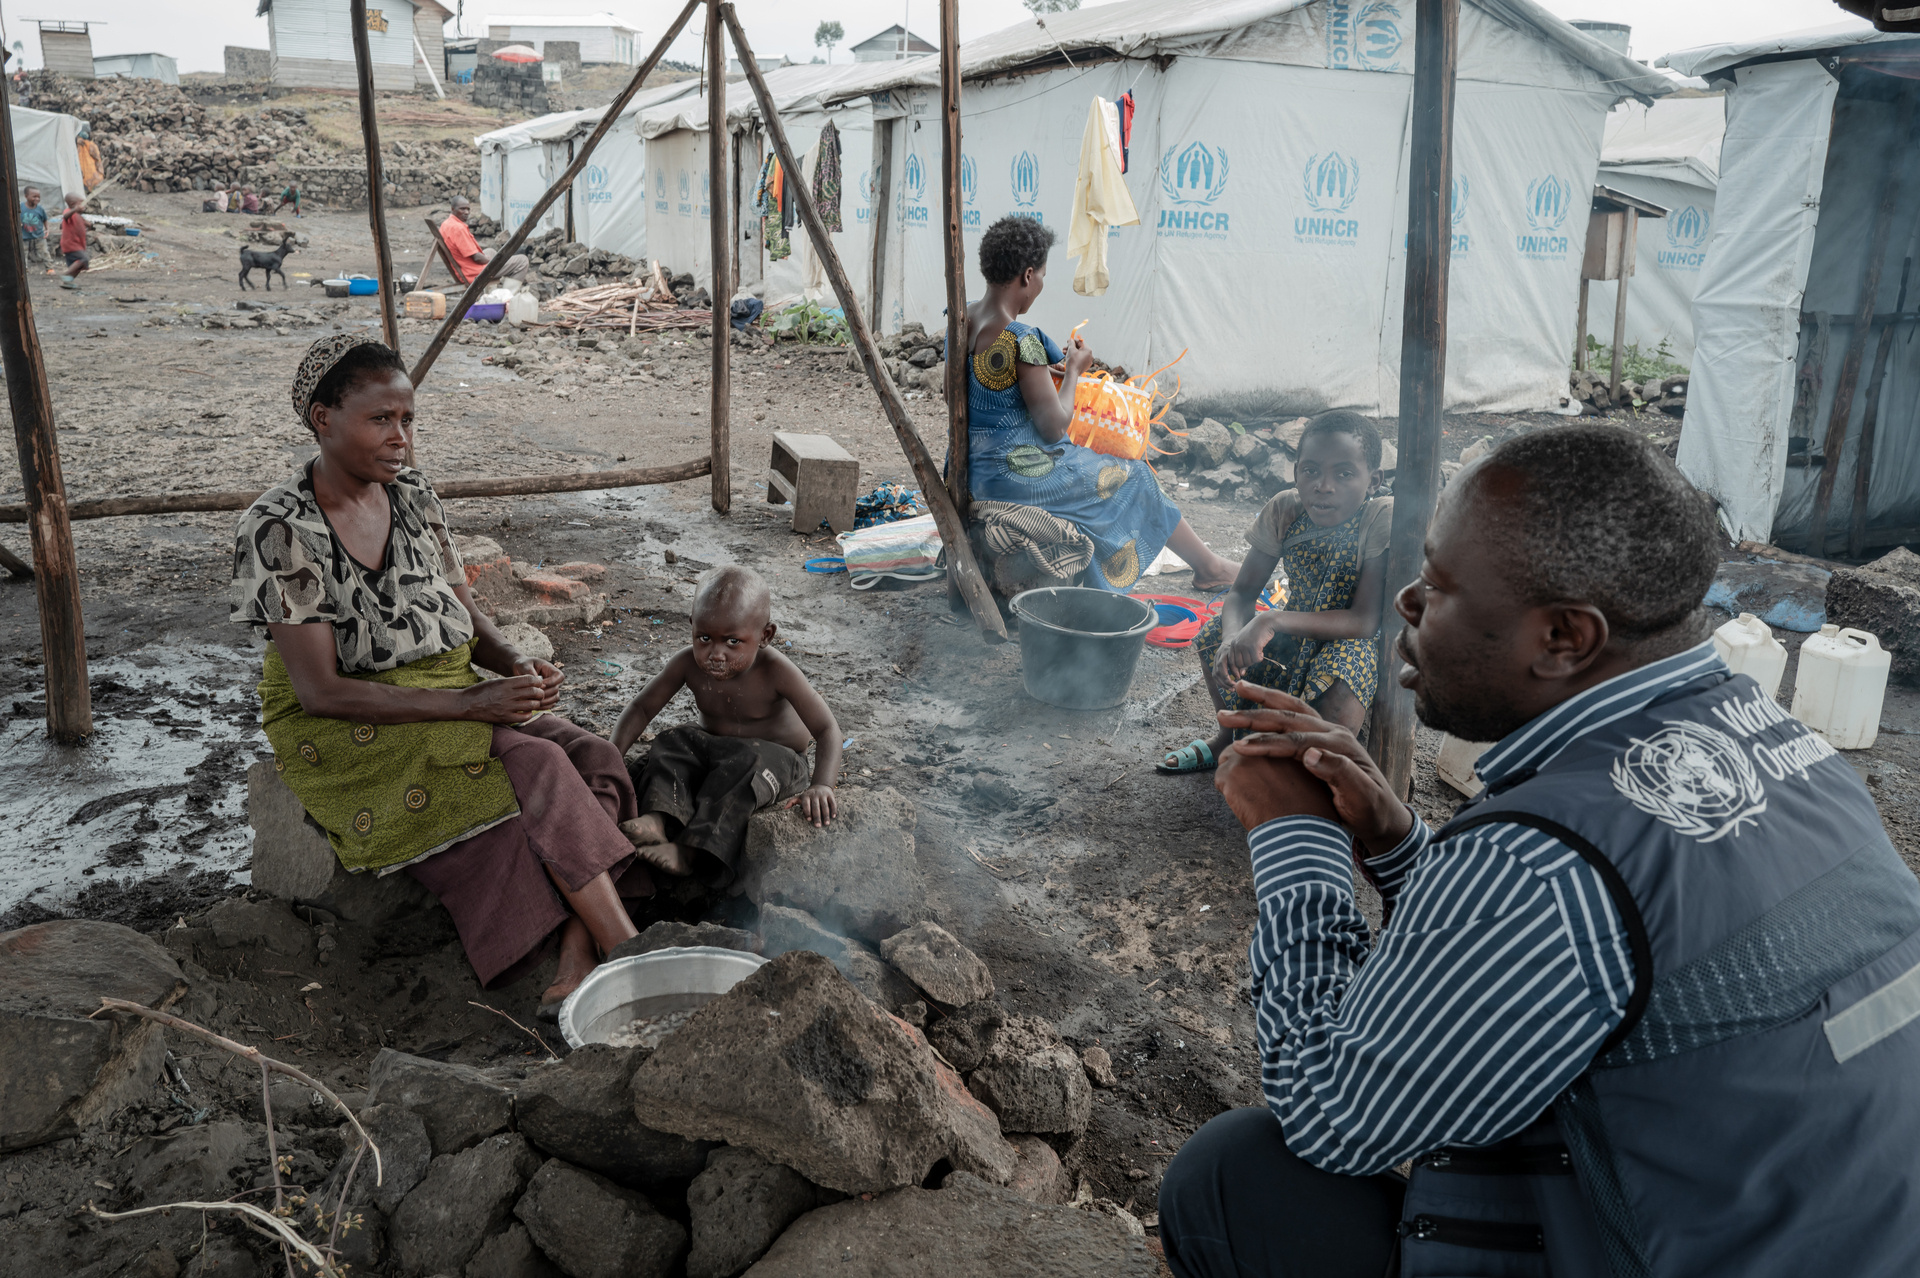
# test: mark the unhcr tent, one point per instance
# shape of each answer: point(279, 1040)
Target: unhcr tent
point(1669, 154)
point(607, 204)
point(45, 154)
point(675, 134)
point(1810, 136)
point(1268, 162)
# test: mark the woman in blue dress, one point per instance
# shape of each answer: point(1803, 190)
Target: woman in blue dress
point(1018, 428)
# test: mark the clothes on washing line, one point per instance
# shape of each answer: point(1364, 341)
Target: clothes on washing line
point(826, 178)
point(766, 198)
point(1125, 104)
point(1100, 199)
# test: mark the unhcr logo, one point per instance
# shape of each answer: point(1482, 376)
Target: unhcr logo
point(1368, 36)
point(864, 186)
point(913, 191)
point(1193, 178)
point(1549, 201)
point(1687, 229)
point(685, 206)
point(660, 190)
point(598, 191)
point(1024, 175)
point(1460, 240)
point(1329, 184)
point(969, 184)
point(706, 196)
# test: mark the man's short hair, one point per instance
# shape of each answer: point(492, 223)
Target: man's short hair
point(1601, 516)
point(1344, 421)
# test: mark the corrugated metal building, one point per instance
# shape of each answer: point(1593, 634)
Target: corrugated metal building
point(138, 66)
point(312, 42)
point(66, 47)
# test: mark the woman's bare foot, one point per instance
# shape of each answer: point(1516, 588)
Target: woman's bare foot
point(577, 958)
point(643, 830)
point(1210, 571)
point(670, 857)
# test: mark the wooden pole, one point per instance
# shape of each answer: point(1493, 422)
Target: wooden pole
point(1869, 429)
point(953, 533)
point(1629, 236)
point(951, 204)
point(720, 243)
point(511, 486)
point(15, 566)
point(56, 578)
point(882, 204)
point(376, 199)
point(1840, 415)
point(1580, 337)
point(1423, 358)
point(491, 271)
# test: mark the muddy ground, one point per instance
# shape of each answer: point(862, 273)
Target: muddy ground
point(1108, 899)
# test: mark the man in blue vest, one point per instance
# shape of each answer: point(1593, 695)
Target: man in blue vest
point(1648, 1006)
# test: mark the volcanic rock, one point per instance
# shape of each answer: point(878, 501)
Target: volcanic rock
point(929, 956)
point(592, 1228)
point(1883, 598)
point(511, 1255)
point(667, 934)
point(458, 1104)
point(794, 1064)
point(859, 875)
point(1033, 1081)
point(739, 1205)
point(1039, 1178)
point(463, 1198)
point(1208, 444)
point(59, 1070)
point(964, 1230)
point(581, 1109)
point(1098, 1063)
point(966, 1036)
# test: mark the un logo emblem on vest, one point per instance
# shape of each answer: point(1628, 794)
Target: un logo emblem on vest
point(1692, 777)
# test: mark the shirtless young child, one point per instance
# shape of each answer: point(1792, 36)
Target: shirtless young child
point(699, 785)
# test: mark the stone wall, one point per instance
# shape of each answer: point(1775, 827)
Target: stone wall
point(248, 64)
point(344, 186)
point(515, 86)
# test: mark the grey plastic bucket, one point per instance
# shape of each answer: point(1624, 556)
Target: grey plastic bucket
point(1078, 647)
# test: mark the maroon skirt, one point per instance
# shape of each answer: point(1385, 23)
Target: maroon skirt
point(574, 791)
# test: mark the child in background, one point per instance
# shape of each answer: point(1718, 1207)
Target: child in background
point(73, 242)
point(250, 200)
point(33, 227)
point(699, 785)
point(1332, 535)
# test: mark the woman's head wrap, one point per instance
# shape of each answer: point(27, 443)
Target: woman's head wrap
point(319, 361)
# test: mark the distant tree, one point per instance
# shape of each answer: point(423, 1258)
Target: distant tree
point(828, 34)
point(1050, 6)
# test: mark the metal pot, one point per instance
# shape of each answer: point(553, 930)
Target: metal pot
point(647, 985)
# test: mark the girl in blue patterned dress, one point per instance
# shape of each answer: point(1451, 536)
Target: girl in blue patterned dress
point(1018, 428)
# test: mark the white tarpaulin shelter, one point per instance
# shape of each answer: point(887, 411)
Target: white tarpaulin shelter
point(1669, 154)
point(46, 156)
point(1268, 164)
point(679, 203)
point(1810, 119)
point(519, 162)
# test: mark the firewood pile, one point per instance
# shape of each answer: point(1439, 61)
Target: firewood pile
point(643, 302)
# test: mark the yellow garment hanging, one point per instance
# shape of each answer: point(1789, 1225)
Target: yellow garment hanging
point(1100, 200)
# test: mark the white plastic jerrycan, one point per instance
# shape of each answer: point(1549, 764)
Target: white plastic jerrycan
point(1748, 647)
point(1840, 685)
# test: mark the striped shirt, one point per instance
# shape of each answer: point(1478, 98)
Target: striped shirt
point(1504, 967)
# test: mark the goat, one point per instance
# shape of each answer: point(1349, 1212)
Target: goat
point(252, 259)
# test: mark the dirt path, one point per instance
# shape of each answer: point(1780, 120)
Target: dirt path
point(1108, 899)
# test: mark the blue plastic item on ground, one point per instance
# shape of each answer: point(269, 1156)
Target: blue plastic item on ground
point(1785, 596)
point(361, 286)
point(494, 311)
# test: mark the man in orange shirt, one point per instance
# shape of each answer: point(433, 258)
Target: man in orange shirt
point(469, 257)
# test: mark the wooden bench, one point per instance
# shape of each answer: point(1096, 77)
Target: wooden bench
point(818, 476)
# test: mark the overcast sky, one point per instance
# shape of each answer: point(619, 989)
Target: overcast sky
point(194, 31)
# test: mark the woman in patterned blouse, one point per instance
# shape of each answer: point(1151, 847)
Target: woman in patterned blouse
point(406, 755)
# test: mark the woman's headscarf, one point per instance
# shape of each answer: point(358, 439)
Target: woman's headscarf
point(319, 361)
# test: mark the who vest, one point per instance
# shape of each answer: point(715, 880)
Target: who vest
point(1757, 1112)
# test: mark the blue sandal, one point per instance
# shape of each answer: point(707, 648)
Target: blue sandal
point(1195, 756)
